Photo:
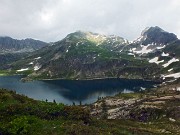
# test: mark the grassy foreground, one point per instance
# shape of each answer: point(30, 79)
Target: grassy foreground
point(22, 115)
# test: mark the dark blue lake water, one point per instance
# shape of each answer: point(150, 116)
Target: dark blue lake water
point(69, 91)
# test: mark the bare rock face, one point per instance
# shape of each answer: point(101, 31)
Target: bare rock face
point(10, 45)
point(155, 35)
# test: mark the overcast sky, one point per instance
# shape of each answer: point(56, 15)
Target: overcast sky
point(51, 20)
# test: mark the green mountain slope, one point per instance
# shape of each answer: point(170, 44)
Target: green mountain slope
point(85, 55)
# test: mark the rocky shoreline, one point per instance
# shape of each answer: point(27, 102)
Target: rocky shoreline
point(142, 106)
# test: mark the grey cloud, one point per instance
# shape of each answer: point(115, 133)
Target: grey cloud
point(52, 20)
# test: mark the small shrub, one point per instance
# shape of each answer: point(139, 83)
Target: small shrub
point(20, 125)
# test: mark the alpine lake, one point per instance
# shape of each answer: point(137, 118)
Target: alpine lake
point(73, 91)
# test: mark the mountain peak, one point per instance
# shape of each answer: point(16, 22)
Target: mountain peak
point(155, 35)
point(78, 34)
point(151, 29)
point(98, 39)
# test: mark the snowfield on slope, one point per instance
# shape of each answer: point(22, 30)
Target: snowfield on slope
point(165, 54)
point(155, 60)
point(144, 50)
point(36, 68)
point(170, 62)
point(175, 75)
point(23, 69)
point(170, 70)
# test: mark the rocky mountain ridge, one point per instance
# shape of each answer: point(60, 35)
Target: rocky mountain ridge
point(10, 45)
point(13, 49)
point(87, 55)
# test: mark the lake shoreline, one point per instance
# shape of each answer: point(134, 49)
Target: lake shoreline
point(26, 78)
point(89, 79)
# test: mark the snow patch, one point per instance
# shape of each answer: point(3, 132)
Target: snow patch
point(170, 61)
point(171, 80)
point(142, 88)
point(133, 49)
point(23, 69)
point(176, 88)
point(175, 75)
point(130, 50)
point(144, 50)
point(36, 68)
point(155, 60)
point(127, 91)
point(171, 119)
point(165, 54)
point(131, 42)
point(31, 63)
point(170, 70)
point(37, 58)
point(161, 47)
point(131, 54)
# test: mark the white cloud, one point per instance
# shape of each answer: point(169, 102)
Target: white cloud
point(53, 20)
